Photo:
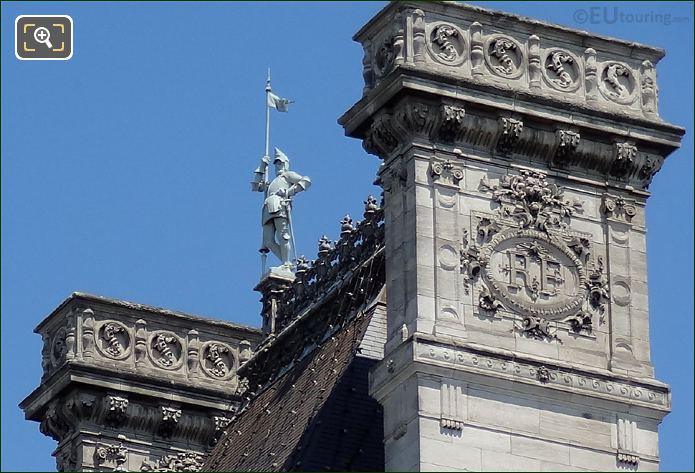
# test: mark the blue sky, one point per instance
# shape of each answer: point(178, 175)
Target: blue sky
point(125, 170)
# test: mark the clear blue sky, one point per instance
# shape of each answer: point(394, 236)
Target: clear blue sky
point(125, 170)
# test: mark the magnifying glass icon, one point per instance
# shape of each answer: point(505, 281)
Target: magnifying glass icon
point(42, 35)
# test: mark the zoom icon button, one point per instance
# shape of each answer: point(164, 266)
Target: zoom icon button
point(43, 37)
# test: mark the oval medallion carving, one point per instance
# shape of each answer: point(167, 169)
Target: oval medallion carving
point(218, 360)
point(446, 44)
point(165, 350)
point(113, 340)
point(618, 83)
point(504, 56)
point(533, 273)
point(562, 70)
point(58, 347)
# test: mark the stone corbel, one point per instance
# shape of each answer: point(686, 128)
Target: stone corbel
point(381, 138)
point(116, 410)
point(413, 118)
point(625, 155)
point(651, 165)
point(169, 421)
point(449, 126)
point(508, 134)
point(566, 145)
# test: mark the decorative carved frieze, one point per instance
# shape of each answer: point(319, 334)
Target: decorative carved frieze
point(445, 172)
point(184, 461)
point(509, 134)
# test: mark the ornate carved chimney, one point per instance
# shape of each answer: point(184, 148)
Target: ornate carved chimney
point(516, 161)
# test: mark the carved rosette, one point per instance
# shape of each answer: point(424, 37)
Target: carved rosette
point(165, 350)
point(217, 360)
point(562, 70)
point(447, 44)
point(504, 56)
point(617, 83)
point(113, 340)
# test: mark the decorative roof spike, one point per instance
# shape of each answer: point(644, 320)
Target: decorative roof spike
point(346, 227)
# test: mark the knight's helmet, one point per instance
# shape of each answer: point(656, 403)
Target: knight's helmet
point(282, 157)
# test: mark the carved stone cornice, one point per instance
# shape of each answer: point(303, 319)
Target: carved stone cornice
point(429, 351)
point(449, 125)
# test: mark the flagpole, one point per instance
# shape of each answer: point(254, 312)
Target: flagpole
point(267, 114)
point(264, 251)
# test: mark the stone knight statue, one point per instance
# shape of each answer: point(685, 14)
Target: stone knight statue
point(277, 206)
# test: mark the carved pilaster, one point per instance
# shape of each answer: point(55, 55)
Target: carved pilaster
point(88, 339)
point(140, 343)
point(477, 55)
point(590, 75)
point(649, 91)
point(193, 352)
point(367, 72)
point(534, 62)
point(70, 336)
point(418, 20)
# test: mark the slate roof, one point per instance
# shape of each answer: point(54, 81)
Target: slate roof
point(317, 417)
point(307, 407)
